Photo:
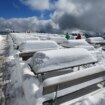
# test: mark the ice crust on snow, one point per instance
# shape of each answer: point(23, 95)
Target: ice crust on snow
point(78, 44)
point(43, 61)
point(37, 45)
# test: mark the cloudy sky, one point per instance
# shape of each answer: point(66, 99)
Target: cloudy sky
point(53, 16)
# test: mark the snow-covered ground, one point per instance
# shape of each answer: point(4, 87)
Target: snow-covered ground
point(2, 60)
point(3, 80)
point(14, 92)
point(23, 86)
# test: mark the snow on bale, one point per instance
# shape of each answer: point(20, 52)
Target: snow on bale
point(81, 84)
point(18, 41)
point(44, 37)
point(94, 98)
point(26, 72)
point(18, 38)
point(44, 61)
point(31, 88)
point(95, 40)
point(1, 37)
point(58, 40)
point(34, 89)
point(73, 75)
point(30, 84)
point(78, 44)
point(29, 46)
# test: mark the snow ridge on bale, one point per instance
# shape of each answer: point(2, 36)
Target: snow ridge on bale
point(37, 45)
point(78, 43)
point(43, 61)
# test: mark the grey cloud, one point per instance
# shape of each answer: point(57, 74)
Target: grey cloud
point(72, 14)
point(32, 24)
point(91, 15)
point(67, 21)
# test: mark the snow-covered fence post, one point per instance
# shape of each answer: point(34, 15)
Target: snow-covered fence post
point(18, 68)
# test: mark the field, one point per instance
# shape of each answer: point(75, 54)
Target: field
point(47, 69)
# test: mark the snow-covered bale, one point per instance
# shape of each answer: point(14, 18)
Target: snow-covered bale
point(44, 61)
point(18, 41)
point(29, 46)
point(58, 40)
point(18, 38)
point(95, 40)
point(77, 44)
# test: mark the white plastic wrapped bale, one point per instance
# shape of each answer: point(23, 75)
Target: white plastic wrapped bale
point(95, 40)
point(78, 44)
point(29, 46)
point(44, 61)
point(58, 40)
